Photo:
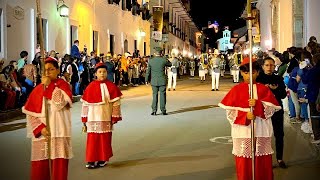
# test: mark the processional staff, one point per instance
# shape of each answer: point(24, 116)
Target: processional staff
point(43, 73)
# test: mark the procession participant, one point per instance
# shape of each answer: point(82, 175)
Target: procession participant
point(215, 70)
point(100, 111)
point(172, 72)
point(234, 68)
point(192, 67)
point(276, 84)
point(59, 100)
point(156, 69)
point(240, 117)
point(222, 65)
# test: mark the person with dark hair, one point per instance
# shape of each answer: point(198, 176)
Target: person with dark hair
point(100, 111)
point(75, 52)
point(23, 59)
point(276, 84)
point(311, 77)
point(237, 103)
point(73, 70)
point(59, 100)
point(5, 86)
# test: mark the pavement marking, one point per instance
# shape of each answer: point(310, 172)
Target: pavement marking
point(221, 140)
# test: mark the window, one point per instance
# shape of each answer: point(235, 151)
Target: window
point(95, 41)
point(125, 46)
point(73, 34)
point(135, 45)
point(111, 44)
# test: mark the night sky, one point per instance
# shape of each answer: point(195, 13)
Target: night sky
point(202, 12)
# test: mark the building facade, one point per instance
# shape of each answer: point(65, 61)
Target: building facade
point(286, 23)
point(100, 25)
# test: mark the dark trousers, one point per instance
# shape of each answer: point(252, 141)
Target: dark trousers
point(315, 120)
point(163, 98)
point(277, 123)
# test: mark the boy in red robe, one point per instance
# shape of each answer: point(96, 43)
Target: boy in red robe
point(237, 103)
point(59, 100)
point(100, 111)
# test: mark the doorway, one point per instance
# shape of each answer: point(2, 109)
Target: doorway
point(111, 44)
point(95, 41)
point(73, 34)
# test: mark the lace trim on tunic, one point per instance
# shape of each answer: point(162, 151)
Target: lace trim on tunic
point(116, 111)
point(99, 126)
point(242, 147)
point(60, 148)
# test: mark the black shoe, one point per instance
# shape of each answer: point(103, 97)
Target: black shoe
point(153, 113)
point(164, 113)
point(174, 89)
point(217, 89)
point(169, 89)
point(102, 163)
point(212, 89)
point(90, 165)
point(282, 164)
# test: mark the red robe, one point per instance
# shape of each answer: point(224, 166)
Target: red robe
point(35, 112)
point(237, 101)
point(104, 96)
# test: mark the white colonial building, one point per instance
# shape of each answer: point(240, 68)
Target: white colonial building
point(286, 23)
point(100, 25)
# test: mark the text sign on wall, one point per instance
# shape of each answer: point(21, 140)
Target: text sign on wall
point(18, 13)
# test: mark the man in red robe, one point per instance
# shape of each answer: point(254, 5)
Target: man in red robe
point(100, 111)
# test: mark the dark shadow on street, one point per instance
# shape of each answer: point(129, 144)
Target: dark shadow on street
point(156, 160)
point(196, 108)
point(12, 127)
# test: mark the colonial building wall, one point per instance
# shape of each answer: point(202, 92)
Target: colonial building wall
point(265, 24)
point(285, 25)
point(85, 16)
point(311, 20)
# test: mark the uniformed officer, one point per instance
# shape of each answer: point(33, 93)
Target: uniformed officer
point(156, 68)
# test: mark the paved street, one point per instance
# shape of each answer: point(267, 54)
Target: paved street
point(173, 147)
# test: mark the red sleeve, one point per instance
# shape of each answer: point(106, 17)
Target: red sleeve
point(37, 131)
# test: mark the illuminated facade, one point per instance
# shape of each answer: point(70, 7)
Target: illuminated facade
point(286, 23)
point(98, 24)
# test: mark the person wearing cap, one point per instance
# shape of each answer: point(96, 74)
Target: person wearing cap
point(156, 69)
point(276, 84)
point(58, 94)
point(214, 64)
point(100, 111)
point(237, 103)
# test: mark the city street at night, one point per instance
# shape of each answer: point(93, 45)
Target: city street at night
point(172, 147)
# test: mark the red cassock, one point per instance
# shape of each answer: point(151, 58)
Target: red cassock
point(59, 95)
point(100, 111)
point(237, 106)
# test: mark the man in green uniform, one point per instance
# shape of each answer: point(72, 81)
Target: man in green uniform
point(156, 68)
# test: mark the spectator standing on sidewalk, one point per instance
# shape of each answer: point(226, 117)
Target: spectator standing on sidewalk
point(276, 85)
point(311, 77)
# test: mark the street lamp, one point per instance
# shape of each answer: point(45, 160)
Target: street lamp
point(62, 8)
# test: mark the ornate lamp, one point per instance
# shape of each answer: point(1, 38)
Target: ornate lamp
point(63, 9)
